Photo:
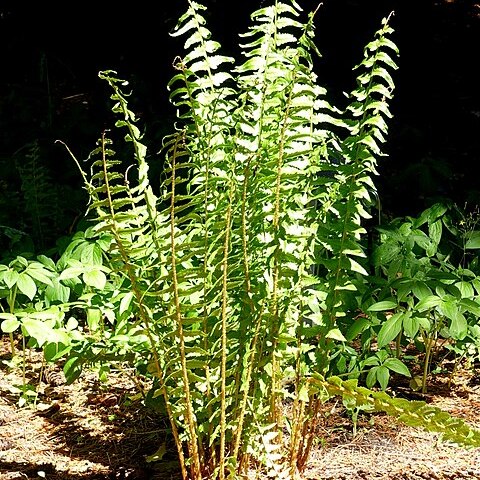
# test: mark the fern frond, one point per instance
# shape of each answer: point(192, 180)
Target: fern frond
point(417, 414)
point(348, 191)
point(40, 196)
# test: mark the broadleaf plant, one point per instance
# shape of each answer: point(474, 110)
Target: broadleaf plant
point(237, 271)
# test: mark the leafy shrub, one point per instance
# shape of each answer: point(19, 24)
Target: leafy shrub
point(426, 289)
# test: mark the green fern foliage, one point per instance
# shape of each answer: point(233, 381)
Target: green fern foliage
point(347, 199)
point(238, 271)
point(41, 211)
point(253, 145)
point(220, 264)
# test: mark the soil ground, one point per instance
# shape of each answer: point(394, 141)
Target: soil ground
point(96, 431)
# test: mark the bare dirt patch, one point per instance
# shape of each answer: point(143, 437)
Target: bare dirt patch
point(96, 431)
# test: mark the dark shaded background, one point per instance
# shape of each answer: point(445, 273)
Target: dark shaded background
point(49, 87)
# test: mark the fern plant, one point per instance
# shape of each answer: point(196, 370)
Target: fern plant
point(40, 200)
point(260, 193)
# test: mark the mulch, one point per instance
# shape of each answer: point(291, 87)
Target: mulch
point(103, 431)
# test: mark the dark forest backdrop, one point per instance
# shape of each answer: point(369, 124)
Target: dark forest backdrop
point(49, 89)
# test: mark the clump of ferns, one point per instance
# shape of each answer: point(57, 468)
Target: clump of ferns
point(258, 193)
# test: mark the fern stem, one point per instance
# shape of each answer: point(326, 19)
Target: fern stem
point(195, 467)
point(298, 419)
point(298, 410)
point(223, 405)
point(308, 432)
point(253, 344)
point(276, 418)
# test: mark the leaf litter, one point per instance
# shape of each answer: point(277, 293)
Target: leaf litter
point(104, 431)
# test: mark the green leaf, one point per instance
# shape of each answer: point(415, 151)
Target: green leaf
point(449, 308)
point(356, 267)
point(425, 323)
point(431, 214)
point(357, 327)
point(38, 272)
point(158, 455)
point(411, 325)
point(428, 302)
point(71, 272)
point(423, 241)
point(95, 278)
point(476, 284)
point(404, 289)
point(26, 285)
point(48, 262)
point(435, 232)
point(37, 329)
point(371, 377)
point(382, 306)
point(458, 327)
point(91, 254)
point(385, 253)
point(72, 324)
point(473, 240)
point(72, 369)
point(336, 334)
point(466, 289)
point(125, 302)
point(10, 278)
point(390, 329)
point(185, 27)
point(397, 366)
point(10, 324)
point(55, 350)
point(471, 306)
point(369, 361)
point(383, 376)
point(303, 393)
point(57, 292)
point(421, 289)
point(413, 413)
point(94, 316)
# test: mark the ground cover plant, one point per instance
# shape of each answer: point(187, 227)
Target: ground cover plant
point(235, 287)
